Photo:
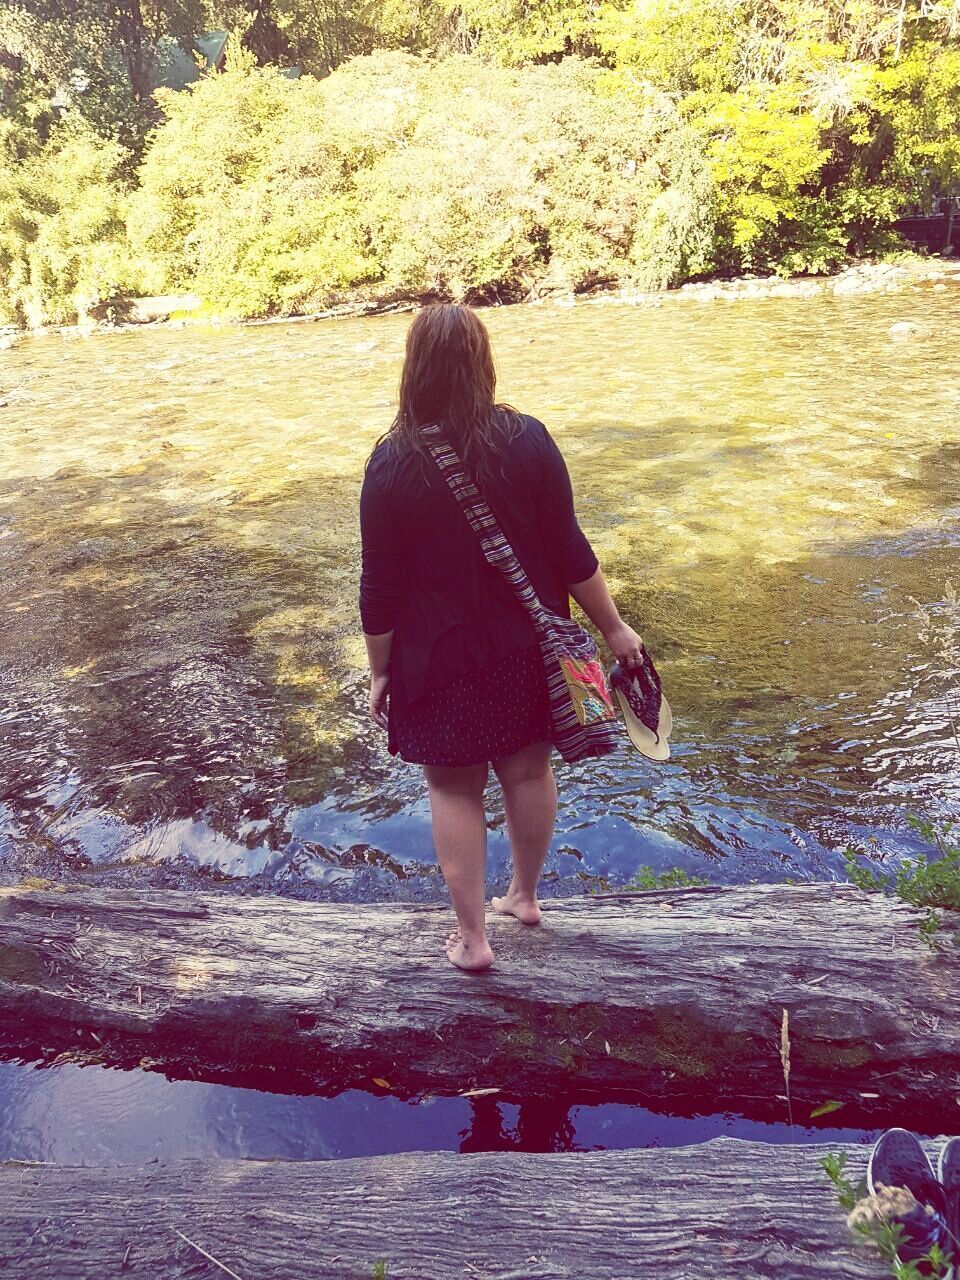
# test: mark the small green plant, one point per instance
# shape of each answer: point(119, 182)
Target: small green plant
point(673, 878)
point(933, 883)
point(870, 1218)
point(848, 1194)
point(646, 878)
point(929, 927)
point(379, 1271)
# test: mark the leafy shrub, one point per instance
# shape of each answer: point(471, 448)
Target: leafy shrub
point(398, 175)
point(62, 244)
point(241, 199)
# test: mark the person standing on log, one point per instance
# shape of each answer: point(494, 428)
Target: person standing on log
point(457, 678)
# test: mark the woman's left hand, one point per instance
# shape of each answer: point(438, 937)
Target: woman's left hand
point(625, 645)
point(379, 699)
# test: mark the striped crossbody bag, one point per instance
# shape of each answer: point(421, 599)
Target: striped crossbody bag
point(582, 715)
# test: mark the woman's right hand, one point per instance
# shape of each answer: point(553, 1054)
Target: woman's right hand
point(379, 699)
point(625, 645)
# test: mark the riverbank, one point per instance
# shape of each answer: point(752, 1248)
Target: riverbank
point(859, 278)
point(176, 311)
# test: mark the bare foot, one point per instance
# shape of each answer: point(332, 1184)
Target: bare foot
point(468, 956)
point(512, 904)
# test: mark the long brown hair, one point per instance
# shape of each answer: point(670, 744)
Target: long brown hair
point(449, 377)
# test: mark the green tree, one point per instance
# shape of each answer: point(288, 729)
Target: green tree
point(100, 56)
point(763, 153)
point(516, 32)
point(62, 246)
point(817, 118)
point(920, 97)
point(397, 175)
point(681, 46)
point(320, 35)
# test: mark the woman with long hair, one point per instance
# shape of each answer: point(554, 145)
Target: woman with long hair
point(457, 678)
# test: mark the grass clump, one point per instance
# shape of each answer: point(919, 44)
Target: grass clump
point(930, 882)
point(645, 878)
point(672, 878)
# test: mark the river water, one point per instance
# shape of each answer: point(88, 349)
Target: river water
point(771, 486)
point(95, 1116)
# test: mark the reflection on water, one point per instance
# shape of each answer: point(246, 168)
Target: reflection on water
point(769, 486)
point(93, 1116)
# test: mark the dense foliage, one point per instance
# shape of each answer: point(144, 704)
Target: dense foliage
point(478, 149)
point(396, 175)
point(61, 226)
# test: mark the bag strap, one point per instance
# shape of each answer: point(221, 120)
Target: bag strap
point(497, 550)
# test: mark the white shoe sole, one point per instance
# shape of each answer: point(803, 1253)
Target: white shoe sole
point(647, 743)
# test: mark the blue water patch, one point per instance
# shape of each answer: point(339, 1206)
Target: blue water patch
point(608, 837)
point(97, 1116)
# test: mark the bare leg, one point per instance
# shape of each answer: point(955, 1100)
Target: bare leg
point(530, 799)
point(460, 838)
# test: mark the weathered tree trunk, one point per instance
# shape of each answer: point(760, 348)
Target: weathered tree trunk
point(671, 995)
point(724, 1209)
point(948, 237)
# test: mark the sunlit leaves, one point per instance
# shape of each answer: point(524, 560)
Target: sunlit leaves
point(397, 175)
point(61, 227)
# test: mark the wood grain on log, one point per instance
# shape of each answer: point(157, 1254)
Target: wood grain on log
point(670, 995)
point(726, 1209)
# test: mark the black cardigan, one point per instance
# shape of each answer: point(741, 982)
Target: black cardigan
point(424, 574)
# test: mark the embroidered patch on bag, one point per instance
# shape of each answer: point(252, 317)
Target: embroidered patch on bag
point(588, 690)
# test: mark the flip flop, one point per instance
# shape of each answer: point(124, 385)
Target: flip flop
point(646, 712)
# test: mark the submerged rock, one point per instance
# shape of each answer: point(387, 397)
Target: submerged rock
point(144, 310)
point(904, 329)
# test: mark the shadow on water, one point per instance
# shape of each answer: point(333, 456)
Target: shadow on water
point(171, 695)
point(808, 684)
point(95, 1116)
point(181, 699)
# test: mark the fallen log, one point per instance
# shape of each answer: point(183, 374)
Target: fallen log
point(671, 996)
point(724, 1209)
